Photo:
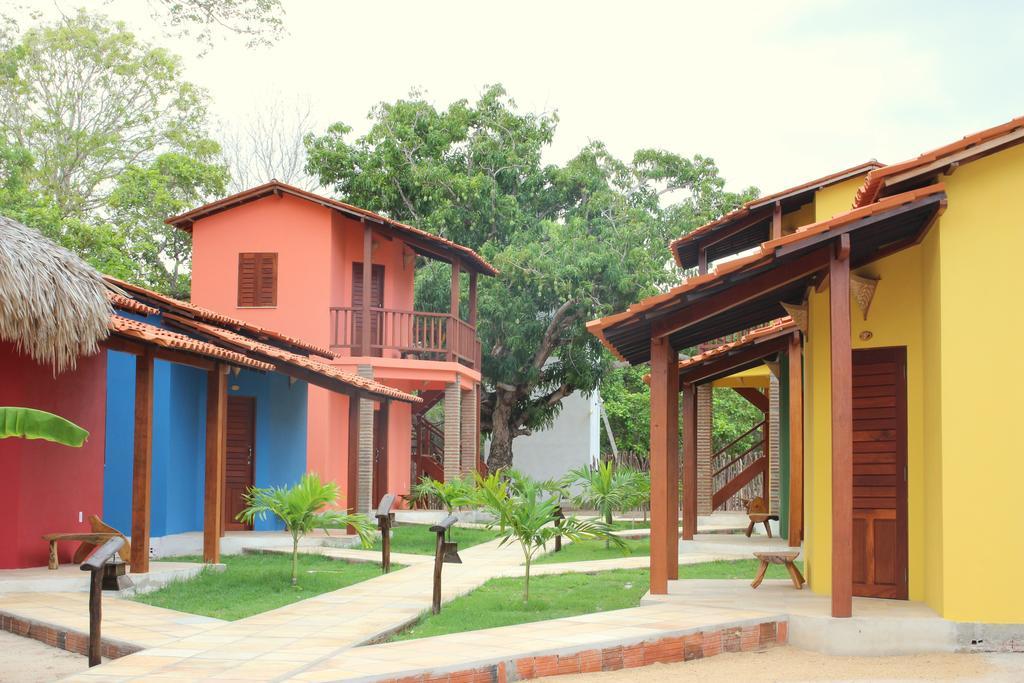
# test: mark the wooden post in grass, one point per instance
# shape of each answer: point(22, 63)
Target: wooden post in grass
point(559, 516)
point(444, 551)
point(384, 519)
point(94, 564)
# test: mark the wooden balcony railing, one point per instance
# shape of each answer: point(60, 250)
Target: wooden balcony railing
point(413, 334)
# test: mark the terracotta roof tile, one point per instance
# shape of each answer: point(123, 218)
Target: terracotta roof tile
point(126, 303)
point(764, 254)
point(220, 318)
point(184, 221)
point(746, 208)
point(772, 329)
point(872, 186)
point(151, 334)
point(305, 362)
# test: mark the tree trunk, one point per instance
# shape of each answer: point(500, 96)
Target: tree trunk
point(295, 560)
point(526, 586)
point(499, 456)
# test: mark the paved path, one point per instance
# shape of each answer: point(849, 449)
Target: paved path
point(124, 621)
point(319, 633)
point(292, 637)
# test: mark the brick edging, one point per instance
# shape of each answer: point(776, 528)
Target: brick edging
point(63, 638)
point(613, 658)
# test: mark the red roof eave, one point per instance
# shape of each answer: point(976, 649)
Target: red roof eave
point(184, 221)
point(764, 254)
point(744, 210)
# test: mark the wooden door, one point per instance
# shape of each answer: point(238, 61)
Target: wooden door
point(376, 301)
point(240, 458)
point(880, 473)
point(380, 453)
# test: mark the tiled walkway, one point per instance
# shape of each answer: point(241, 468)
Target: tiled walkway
point(314, 639)
point(294, 636)
point(124, 621)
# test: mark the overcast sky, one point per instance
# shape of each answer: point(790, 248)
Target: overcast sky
point(776, 92)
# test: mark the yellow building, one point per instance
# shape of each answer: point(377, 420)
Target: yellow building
point(906, 481)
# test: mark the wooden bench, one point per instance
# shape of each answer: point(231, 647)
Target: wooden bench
point(757, 511)
point(89, 540)
point(783, 557)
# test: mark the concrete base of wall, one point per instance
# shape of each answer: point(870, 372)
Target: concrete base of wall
point(191, 543)
point(878, 627)
point(70, 579)
point(869, 636)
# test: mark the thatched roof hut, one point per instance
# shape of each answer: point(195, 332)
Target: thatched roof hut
point(53, 306)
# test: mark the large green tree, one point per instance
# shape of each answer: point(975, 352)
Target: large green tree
point(572, 241)
point(103, 138)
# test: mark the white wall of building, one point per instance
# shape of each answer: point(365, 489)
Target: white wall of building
point(573, 440)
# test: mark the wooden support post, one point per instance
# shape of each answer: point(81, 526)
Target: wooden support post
point(142, 464)
point(796, 442)
point(94, 564)
point(842, 430)
point(352, 492)
point(689, 461)
point(364, 343)
point(777, 221)
point(216, 444)
point(453, 321)
point(765, 453)
point(664, 457)
point(702, 261)
point(472, 299)
point(95, 617)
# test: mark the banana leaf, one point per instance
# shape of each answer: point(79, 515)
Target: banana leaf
point(28, 423)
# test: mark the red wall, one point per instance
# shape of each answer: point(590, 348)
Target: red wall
point(44, 486)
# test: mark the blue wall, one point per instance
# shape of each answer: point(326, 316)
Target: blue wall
point(280, 454)
point(179, 440)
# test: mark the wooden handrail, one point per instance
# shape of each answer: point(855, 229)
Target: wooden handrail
point(732, 443)
point(422, 334)
point(739, 457)
point(719, 497)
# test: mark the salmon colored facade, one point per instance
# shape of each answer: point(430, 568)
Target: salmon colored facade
point(320, 246)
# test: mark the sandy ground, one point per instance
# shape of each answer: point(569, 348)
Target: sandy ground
point(791, 664)
point(23, 660)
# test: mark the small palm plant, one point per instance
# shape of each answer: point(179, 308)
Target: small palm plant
point(447, 494)
point(524, 513)
point(301, 508)
point(604, 488)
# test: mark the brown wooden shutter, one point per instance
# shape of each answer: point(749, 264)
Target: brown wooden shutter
point(257, 280)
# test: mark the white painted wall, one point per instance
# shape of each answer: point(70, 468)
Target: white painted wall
point(573, 440)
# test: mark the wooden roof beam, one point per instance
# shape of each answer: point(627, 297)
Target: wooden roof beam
point(757, 286)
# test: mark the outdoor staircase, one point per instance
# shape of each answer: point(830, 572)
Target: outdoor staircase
point(427, 440)
point(740, 469)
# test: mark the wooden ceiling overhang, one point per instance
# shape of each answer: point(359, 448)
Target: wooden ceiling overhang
point(743, 297)
point(750, 225)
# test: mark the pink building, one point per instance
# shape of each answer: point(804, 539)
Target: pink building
point(283, 258)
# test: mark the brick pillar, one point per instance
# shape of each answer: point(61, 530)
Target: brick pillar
point(705, 394)
point(365, 490)
point(468, 436)
point(452, 442)
point(773, 445)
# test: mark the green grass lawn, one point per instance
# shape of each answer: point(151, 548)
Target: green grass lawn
point(256, 583)
point(499, 602)
point(418, 539)
point(595, 550)
point(626, 525)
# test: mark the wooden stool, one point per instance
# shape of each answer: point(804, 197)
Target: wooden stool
point(757, 511)
point(784, 557)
